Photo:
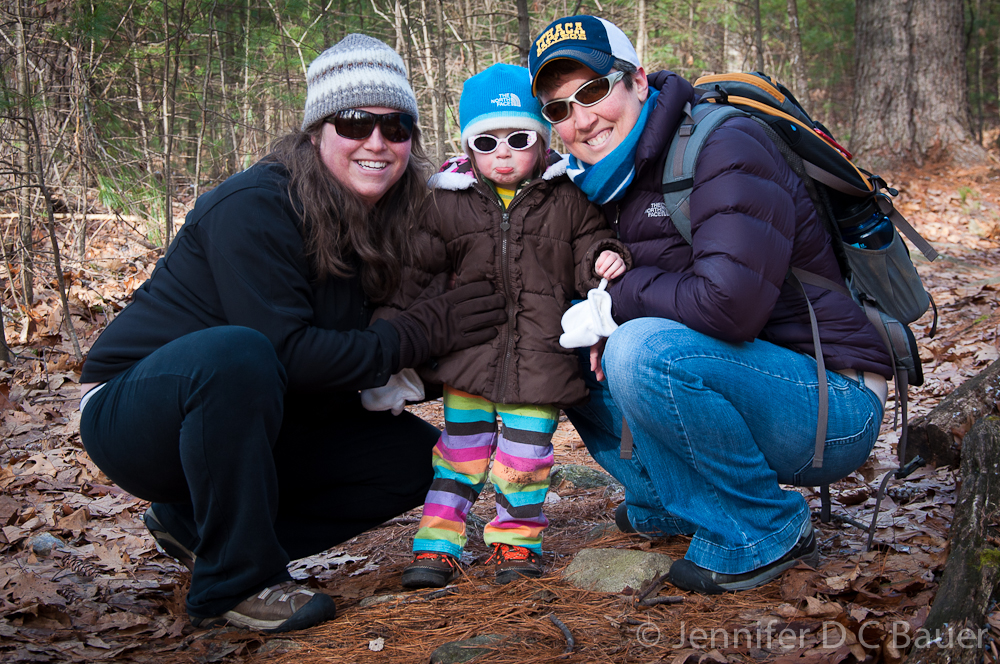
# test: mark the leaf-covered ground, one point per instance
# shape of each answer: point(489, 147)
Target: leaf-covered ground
point(80, 579)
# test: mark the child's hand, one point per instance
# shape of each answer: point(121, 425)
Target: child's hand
point(596, 352)
point(609, 265)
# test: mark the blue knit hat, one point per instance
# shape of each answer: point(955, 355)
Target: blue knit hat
point(500, 98)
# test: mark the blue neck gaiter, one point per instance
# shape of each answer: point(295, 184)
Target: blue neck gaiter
point(608, 179)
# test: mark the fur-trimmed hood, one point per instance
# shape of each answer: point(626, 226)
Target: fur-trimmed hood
point(457, 174)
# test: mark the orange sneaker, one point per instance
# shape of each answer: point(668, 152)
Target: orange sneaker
point(514, 562)
point(430, 569)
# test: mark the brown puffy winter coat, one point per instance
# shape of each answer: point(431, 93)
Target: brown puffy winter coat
point(540, 253)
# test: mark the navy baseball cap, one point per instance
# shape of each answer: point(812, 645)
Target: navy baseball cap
point(591, 41)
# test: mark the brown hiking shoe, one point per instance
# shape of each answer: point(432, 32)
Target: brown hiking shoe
point(430, 569)
point(514, 562)
point(281, 608)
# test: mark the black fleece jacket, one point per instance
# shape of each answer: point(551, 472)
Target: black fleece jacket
point(239, 260)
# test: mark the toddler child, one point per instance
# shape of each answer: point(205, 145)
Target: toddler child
point(505, 212)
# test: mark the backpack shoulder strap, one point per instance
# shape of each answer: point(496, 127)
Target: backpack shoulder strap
point(686, 145)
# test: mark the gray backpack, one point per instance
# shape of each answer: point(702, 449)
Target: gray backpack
point(882, 281)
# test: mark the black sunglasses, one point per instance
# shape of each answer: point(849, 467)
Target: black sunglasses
point(588, 94)
point(359, 125)
point(516, 140)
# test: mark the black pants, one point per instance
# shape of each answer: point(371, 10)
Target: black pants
point(244, 474)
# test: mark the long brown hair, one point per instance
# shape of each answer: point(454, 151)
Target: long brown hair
point(339, 226)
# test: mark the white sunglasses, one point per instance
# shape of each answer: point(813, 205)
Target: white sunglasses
point(515, 140)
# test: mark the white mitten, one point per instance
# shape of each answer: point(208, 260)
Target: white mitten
point(402, 387)
point(586, 322)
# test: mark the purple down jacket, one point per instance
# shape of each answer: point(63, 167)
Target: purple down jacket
point(751, 219)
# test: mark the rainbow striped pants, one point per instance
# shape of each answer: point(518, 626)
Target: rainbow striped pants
point(520, 473)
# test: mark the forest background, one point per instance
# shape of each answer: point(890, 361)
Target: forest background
point(134, 107)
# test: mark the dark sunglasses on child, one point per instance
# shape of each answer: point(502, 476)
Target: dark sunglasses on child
point(588, 94)
point(515, 140)
point(358, 125)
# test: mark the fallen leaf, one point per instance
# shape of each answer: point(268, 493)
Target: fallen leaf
point(109, 556)
point(788, 611)
point(817, 608)
point(30, 588)
point(686, 655)
point(75, 522)
point(842, 581)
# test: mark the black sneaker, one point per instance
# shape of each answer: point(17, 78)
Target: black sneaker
point(430, 569)
point(623, 523)
point(621, 519)
point(515, 562)
point(167, 542)
point(281, 608)
point(685, 575)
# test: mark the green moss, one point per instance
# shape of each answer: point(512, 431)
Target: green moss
point(989, 557)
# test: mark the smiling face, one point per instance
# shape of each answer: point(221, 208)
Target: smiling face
point(592, 132)
point(504, 166)
point(369, 166)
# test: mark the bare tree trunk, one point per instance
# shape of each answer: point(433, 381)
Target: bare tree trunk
point(223, 87)
point(690, 41)
point(800, 83)
point(204, 104)
point(410, 38)
point(937, 435)
point(5, 350)
point(912, 101)
point(81, 228)
point(442, 83)
point(428, 50)
point(758, 35)
point(978, 35)
point(640, 31)
point(56, 261)
point(494, 42)
point(470, 36)
point(140, 104)
point(972, 572)
point(168, 210)
point(24, 199)
point(247, 121)
point(524, 31)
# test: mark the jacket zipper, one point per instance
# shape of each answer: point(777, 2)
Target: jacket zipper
point(505, 272)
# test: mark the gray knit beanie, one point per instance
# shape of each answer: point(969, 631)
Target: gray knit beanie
point(355, 72)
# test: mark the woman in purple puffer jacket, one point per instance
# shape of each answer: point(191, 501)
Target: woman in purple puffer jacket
point(712, 370)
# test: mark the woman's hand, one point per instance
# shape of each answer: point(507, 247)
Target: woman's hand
point(460, 318)
point(609, 265)
point(596, 352)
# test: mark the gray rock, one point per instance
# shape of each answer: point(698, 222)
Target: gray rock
point(612, 570)
point(41, 544)
point(464, 651)
point(602, 530)
point(582, 477)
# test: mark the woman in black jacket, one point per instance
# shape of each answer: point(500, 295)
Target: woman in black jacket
point(227, 392)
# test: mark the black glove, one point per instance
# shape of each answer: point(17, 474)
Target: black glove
point(466, 316)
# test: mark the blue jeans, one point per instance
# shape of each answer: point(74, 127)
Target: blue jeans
point(717, 428)
point(244, 472)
